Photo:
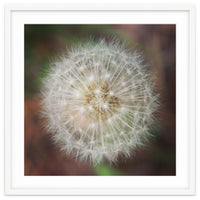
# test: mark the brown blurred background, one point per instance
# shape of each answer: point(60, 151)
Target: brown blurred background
point(157, 43)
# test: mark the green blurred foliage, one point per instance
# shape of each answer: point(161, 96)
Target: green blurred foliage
point(106, 170)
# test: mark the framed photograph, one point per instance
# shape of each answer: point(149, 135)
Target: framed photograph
point(99, 99)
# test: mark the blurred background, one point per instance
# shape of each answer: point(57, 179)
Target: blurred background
point(43, 43)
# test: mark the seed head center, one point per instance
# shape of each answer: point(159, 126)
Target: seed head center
point(100, 100)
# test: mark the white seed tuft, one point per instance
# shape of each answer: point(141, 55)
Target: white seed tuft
point(99, 102)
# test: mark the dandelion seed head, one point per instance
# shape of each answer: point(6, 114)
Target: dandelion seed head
point(99, 102)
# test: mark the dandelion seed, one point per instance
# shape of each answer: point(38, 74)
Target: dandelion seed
point(105, 106)
point(97, 91)
point(111, 93)
point(99, 102)
point(82, 109)
point(71, 81)
point(107, 75)
point(90, 108)
point(91, 78)
point(77, 94)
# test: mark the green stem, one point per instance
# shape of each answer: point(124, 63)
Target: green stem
point(105, 170)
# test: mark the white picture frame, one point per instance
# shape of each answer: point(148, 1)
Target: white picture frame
point(16, 183)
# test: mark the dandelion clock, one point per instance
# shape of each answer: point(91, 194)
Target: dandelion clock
point(99, 101)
